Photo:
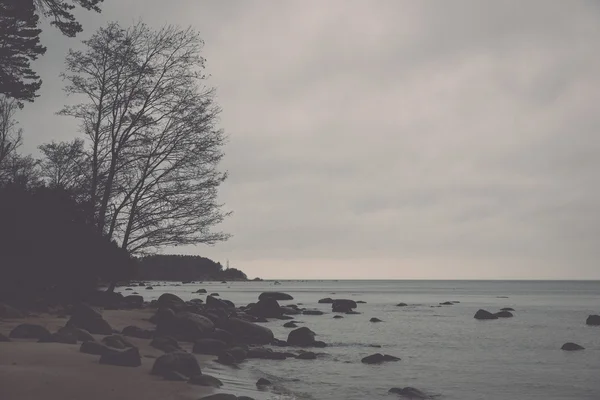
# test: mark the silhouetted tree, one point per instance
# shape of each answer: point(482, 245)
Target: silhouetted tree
point(48, 250)
point(20, 40)
point(11, 137)
point(172, 267)
point(154, 146)
point(19, 45)
point(65, 165)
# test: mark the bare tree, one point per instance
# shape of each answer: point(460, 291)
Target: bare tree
point(154, 146)
point(11, 137)
point(65, 166)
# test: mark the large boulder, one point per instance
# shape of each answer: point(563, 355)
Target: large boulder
point(133, 301)
point(593, 320)
point(266, 307)
point(301, 337)
point(343, 305)
point(571, 347)
point(483, 314)
point(90, 319)
point(185, 326)
point(275, 296)
point(247, 332)
point(177, 361)
point(213, 302)
point(29, 331)
point(169, 300)
point(212, 347)
point(162, 314)
point(126, 358)
point(378, 358)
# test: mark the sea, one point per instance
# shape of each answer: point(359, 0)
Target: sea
point(444, 351)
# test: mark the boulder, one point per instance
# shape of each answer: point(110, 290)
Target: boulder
point(149, 288)
point(410, 393)
point(263, 382)
point(126, 358)
point(307, 355)
point(267, 308)
point(60, 337)
point(212, 302)
point(483, 314)
point(9, 312)
point(95, 348)
point(338, 317)
point(116, 342)
point(401, 305)
point(205, 380)
point(165, 343)
point(179, 361)
point(185, 326)
point(239, 353)
point(571, 347)
point(162, 314)
point(29, 331)
point(378, 358)
point(226, 358)
point(312, 312)
point(290, 310)
point(175, 376)
point(169, 300)
point(275, 295)
point(507, 309)
point(137, 332)
point(327, 300)
point(90, 319)
point(447, 303)
point(222, 335)
point(200, 291)
point(133, 301)
point(301, 337)
point(342, 305)
point(375, 320)
point(211, 347)
point(503, 314)
point(290, 324)
point(593, 320)
point(247, 332)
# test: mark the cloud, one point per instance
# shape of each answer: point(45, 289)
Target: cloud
point(395, 139)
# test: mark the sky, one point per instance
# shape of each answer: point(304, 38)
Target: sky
point(390, 139)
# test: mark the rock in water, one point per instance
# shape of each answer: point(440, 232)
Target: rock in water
point(410, 393)
point(401, 305)
point(29, 331)
point(301, 337)
point(312, 312)
point(327, 300)
point(290, 324)
point(91, 320)
point(211, 347)
point(275, 295)
point(342, 305)
point(375, 320)
point(569, 346)
point(307, 355)
point(126, 358)
point(507, 309)
point(593, 320)
point(263, 382)
point(483, 314)
point(247, 332)
point(266, 307)
point(205, 380)
point(178, 361)
point(378, 358)
point(169, 300)
point(503, 314)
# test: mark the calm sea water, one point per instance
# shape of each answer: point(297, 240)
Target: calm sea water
point(444, 350)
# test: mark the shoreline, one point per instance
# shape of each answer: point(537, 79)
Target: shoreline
point(58, 371)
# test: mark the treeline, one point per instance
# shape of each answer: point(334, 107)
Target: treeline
point(140, 174)
point(185, 268)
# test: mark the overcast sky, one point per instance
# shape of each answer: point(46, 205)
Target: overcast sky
point(391, 139)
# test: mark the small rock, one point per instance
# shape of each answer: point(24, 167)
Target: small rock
point(126, 358)
point(410, 393)
point(226, 358)
point(378, 358)
point(507, 309)
point(337, 316)
point(214, 294)
point(149, 288)
point(290, 324)
point(301, 337)
point(361, 302)
point(503, 314)
point(483, 314)
point(326, 300)
point(263, 382)
point(571, 347)
point(201, 291)
point(165, 343)
point(29, 331)
point(593, 320)
point(275, 295)
point(307, 355)
point(401, 305)
point(312, 312)
point(375, 320)
point(446, 303)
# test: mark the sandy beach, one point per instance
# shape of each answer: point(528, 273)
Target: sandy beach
point(31, 370)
